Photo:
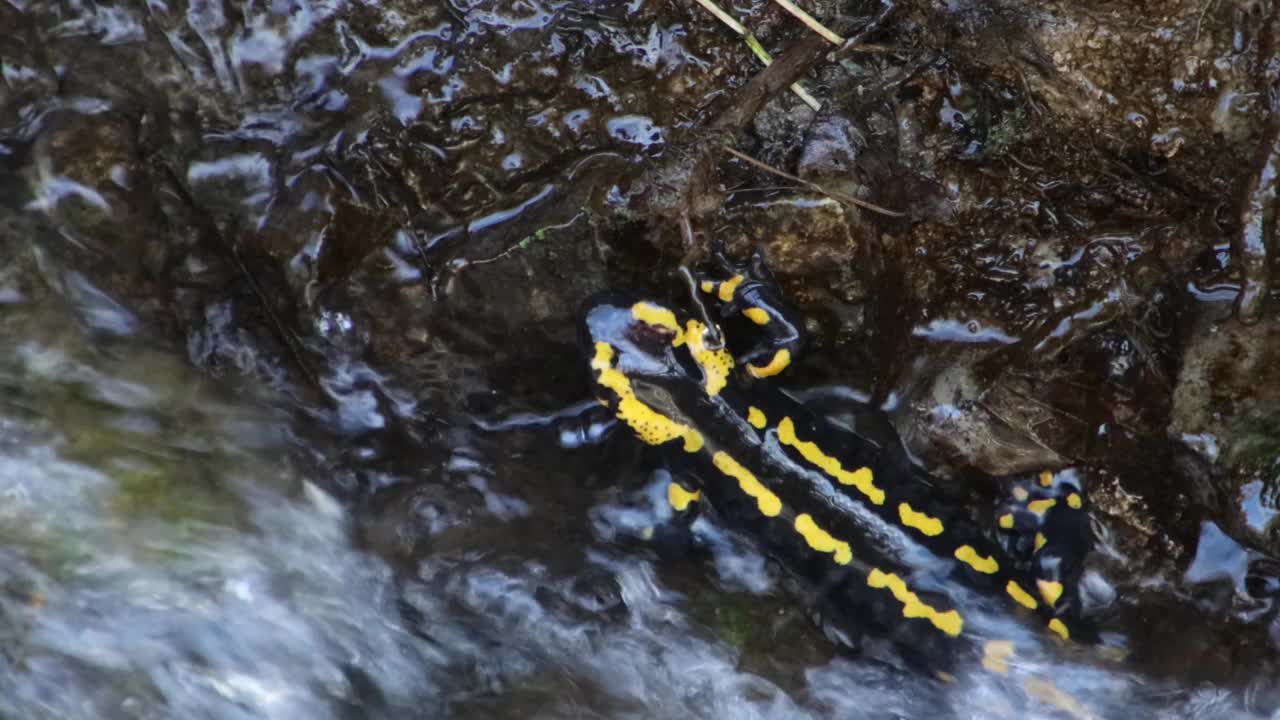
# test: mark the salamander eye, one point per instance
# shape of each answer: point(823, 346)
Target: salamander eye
point(651, 338)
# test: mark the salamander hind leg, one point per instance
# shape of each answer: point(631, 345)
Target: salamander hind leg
point(766, 334)
point(658, 515)
point(1044, 524)
point(680, 505)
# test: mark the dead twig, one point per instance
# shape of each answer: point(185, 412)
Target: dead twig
point(855, 40)
point(1199, 20)
point(872, 48)
point(795, 62)
point(835, 195)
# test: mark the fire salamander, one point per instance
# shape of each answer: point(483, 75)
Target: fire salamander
point(830, 506)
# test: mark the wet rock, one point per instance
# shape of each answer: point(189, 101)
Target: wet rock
point(319, 234)
point(405, 522)
point(804, 237)
point(99, 216)
point(1225, 387)
point(683, 183)
point(1226, 407)
point(832, 146)
point(1218, 558)
point(838, 156)
point(86, 171)
point(28, 76)
point(954, 421)
point(781, 127)
point(985, 390)
point(1253, 240)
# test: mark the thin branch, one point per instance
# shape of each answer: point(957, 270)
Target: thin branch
point(873, 48)
point(856, 40)
point(847, 199)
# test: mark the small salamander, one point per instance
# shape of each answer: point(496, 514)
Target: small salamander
point(829, 505)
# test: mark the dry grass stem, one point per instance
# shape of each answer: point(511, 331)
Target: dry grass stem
point(756, 48)
point(811, 22)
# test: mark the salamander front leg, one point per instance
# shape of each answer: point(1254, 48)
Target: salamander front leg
point(766, 334)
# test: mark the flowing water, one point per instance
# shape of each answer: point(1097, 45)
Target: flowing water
point(163, 558)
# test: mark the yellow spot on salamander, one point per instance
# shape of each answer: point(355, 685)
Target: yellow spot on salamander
point(715, 364)
point(756, 418)
point(1021, 596)
point(967, 554)
point(948, 622)
point(1074, 501)
point(728, 288)
point(707, 286)
point(1041, 541)
point(1046, 478)
point(780, 361)
point(822, 541)
point(648, 424)
point(647, 533)
point(1050, 591)
point(1020, 494)
point(680, 498)
point(1058, 627)
point(930, 526)
point(1040, 507)
point(657, 316)
point(757, 315)
point(860, 478)
point(946, 677)
point(996, 654)
point(770, 505)
point(1006, 521)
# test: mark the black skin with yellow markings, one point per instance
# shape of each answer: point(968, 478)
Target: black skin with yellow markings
point(775, 327)
point(1048, 531)
point(826, 504)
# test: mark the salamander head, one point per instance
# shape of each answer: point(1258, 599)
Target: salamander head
point(647, 366)
point(636, 337)
point(646, 340)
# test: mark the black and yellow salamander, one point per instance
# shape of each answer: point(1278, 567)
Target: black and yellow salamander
point(874, 532)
